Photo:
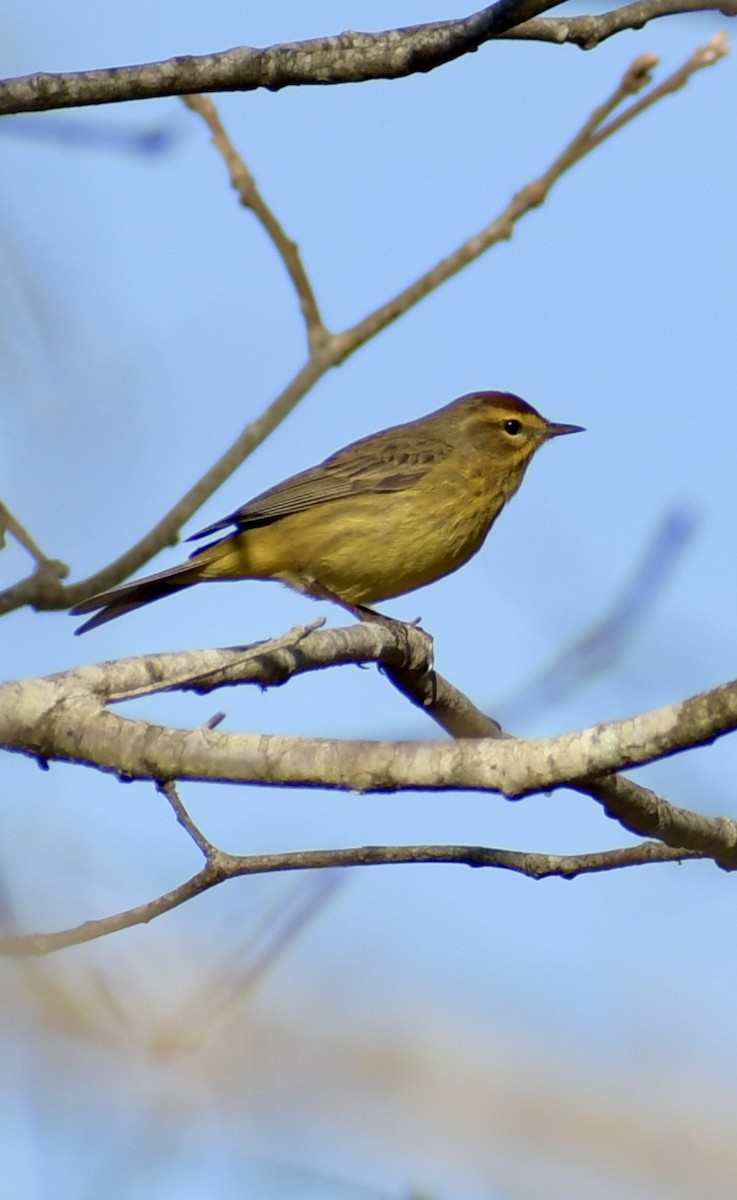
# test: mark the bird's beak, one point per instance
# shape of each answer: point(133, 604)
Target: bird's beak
point(553, 430)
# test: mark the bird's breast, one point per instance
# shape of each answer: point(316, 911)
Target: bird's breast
point(371, 547)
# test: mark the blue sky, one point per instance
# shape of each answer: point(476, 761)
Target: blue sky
point(144, 320)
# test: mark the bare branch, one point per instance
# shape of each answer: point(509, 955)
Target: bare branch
point(250, 197)
point(230, 866)
point(169, 789)
point(532, 195)
point(687, 835)
point(166, 530)
point(303, 650)
point(705, 56)
point(636, 808)
point(347, 58)
point(49, 572)
point(645, 813)
point(587, 32)
point(44, 593)
point(64, 718)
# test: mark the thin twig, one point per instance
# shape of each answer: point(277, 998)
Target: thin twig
point(229, 866)
point(588, 32)
point(231, 671)
point(250, 197)
point(166, 531)
point(705, 56)
point(530, 197)
point(10, 524)
point(168, 788)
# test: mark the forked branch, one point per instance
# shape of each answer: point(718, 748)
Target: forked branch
point(327, 350)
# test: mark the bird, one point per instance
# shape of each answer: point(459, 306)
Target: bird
point(386, 514)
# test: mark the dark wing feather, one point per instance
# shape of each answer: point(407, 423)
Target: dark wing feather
point(360, 468)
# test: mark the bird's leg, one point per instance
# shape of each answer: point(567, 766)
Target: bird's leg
point(360, 611)
point(417, 657)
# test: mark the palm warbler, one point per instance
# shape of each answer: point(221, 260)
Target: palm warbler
point(383, 516)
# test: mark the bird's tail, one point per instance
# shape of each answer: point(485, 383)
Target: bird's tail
point(120, 600)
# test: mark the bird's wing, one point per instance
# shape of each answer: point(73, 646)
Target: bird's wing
point(360, 468)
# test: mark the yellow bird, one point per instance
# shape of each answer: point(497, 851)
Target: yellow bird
point(385, 515)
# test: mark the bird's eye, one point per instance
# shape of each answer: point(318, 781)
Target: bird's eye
point(512, 427)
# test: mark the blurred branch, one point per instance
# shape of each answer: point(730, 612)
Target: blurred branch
point(95, 135)
point(275, 933)
point(344, 58)
point(11, 524)
point(283, 924)
point(602, 645)
point(329, 350)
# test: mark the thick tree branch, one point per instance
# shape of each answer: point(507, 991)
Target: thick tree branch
point(346, 58)
point(64, 718)
point(633, 806)
point(645, 813)
point(406, 658)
